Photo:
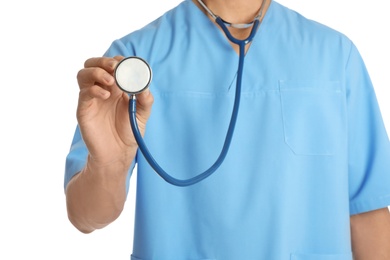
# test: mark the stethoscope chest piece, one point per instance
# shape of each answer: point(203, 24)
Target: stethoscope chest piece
point(133, 75)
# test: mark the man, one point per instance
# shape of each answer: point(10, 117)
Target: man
point(306, 176)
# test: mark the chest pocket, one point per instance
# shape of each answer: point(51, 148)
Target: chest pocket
point(313, 116)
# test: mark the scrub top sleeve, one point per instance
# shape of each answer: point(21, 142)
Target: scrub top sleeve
point(118, 47)
point(368, 142)
point(76, 158)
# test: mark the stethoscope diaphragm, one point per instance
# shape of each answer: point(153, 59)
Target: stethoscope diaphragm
point(133, 75)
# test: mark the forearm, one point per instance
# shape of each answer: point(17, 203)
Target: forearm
point(371, 235)
point(95, 197)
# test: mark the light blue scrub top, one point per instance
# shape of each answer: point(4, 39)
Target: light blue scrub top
point(309, 148)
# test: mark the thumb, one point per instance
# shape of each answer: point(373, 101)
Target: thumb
point(144, 106)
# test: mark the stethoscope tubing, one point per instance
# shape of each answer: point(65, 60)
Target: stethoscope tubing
point(229, 136)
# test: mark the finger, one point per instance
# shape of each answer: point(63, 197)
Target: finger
point(92, 92)
point(93, 76)
point(144, 105)
point(105, 63)
point(119, 58)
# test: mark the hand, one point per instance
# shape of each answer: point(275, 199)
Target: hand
point(102, 113)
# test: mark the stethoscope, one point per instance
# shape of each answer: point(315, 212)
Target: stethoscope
point(133, 75)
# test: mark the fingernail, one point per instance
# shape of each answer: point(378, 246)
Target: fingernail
point(108, 78)
point(104, 93)
point(112, 64)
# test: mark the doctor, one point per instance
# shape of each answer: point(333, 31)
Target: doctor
point(307, 174)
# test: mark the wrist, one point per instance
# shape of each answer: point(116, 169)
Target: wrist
point(115, 168)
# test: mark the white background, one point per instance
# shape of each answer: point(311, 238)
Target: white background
point(43, 45)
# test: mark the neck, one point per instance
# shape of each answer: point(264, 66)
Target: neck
point(235, 11)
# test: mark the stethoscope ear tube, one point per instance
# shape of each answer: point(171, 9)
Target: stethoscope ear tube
point(141, 144)
point(149, 158)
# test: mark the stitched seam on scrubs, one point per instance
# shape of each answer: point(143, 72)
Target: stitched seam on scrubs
point(305, 256)
point(192, 94)
point(349, 55)
point(370, 204)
